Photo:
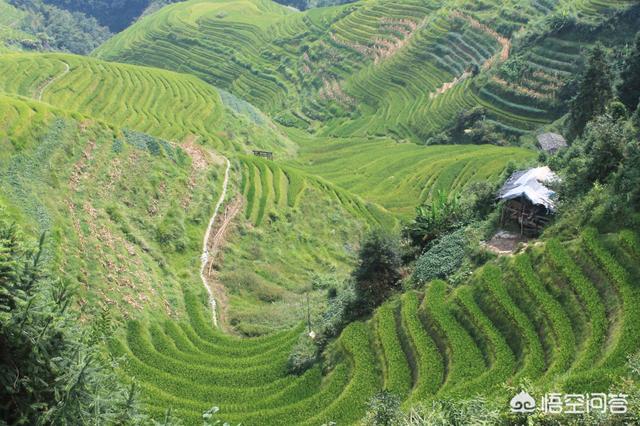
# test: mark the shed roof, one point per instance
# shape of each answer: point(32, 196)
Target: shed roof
point(530, 185)
point(551, 142)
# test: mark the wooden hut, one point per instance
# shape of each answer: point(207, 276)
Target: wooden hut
point(264, 154)
point(527, 201)
point(551, 142)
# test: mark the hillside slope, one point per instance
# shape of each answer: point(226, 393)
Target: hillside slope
point(295, 227)
point(164, 104)
point(281, 204)
point(363, 109)
point(378, 67)
point(458, 343)
point(123, 211)
point(401, 176)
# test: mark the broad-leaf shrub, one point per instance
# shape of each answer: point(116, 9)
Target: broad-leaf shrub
point(443, 259)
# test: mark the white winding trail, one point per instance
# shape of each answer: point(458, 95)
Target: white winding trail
point(205, 244)
point(53, 80)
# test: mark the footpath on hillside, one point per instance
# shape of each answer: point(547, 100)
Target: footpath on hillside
point(40, 91)
point(214, 239)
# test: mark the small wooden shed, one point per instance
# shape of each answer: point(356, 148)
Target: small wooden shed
point(264, 154)
point(551, 142)
point(527, 200)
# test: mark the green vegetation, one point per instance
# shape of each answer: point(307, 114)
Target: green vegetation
point(52, 372)
point(397, 373)
point(282, 203)
point(53, 28)
point(12, 38)
point(384, 67)
point(402, 176)
point(346, 270)
point(594, 90)
point(294, 227)
point(113, 196)
point(443, 259)
point(117, 15)
point(167, 105)
point(425, 352)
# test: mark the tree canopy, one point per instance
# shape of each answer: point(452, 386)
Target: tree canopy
point(594, 90)
point(50, 371)
point(629, 90)
point(378, 272)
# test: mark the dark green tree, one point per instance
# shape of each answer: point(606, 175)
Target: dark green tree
point(627, 179)
point(50, 372)
point(378, 271)
point(594, 90)
point(596, 155)
point(115, 14)
point(60, 29)
point(629, 90)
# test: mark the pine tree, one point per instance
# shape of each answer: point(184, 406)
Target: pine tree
point(629, 90)
point(594, 90)
point(50, 372)
point(378, 272)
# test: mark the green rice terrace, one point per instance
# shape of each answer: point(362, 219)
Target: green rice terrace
point(369, 68)
point(238, 212)
point(420, 346)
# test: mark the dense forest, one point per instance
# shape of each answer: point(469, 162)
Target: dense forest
point(60, 29)
point(116, 15)
point(308, 4)
point(119, 14)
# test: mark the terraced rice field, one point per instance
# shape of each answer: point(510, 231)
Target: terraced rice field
point(270, 187)
point(228, 35)
point(531, 100)
point(524, 101)
point(178, 106)
point(400, 176)
point(443, 343)
point(164, 104)
point(157, 102)
point(284, 236)
point(382, 67)
point(407, 90)
point(102, 196)
point(294, 227)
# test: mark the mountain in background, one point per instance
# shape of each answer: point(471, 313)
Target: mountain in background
point(233, 210)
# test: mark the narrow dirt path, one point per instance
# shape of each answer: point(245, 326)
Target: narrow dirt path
point(204, 259)
point(219, 237)
point(40, 92)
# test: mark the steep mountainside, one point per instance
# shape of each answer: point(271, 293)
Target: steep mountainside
point(122, 209)
point(282, 204)
point(562, 316)
point(373, 68)
point(244, 194)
